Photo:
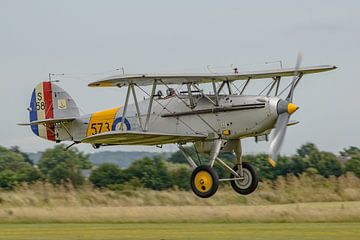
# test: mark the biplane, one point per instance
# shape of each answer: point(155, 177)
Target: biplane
point(214, 122)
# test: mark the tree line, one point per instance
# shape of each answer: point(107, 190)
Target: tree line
point(59, 166)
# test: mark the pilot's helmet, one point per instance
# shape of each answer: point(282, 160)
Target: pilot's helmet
point(159, 93)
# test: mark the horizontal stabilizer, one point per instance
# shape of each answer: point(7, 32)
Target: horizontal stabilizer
point(140, 138)
point(44, 121)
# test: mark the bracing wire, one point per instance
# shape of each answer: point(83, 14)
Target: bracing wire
point(164, 107)
point(265, 88)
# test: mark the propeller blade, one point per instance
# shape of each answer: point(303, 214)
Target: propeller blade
point(296, 75)
point(278, 137)
point(284, 108)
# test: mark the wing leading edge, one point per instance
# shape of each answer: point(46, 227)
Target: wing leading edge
point(147, 79)
point(140, 138)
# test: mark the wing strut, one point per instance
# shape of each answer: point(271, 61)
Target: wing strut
point(137, 106)
point(150, 105)
point(191, 98)
point(221, 87)
point(229, 87)
point(276, 79)
point(215, 93)
point(125, 108)
point(130, 89)
point(277, 86)
point(243, 89)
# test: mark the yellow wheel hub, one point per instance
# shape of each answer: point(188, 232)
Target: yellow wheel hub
point(203, 181)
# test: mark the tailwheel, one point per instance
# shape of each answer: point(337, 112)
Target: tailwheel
point(204, 181)
point(249, 182)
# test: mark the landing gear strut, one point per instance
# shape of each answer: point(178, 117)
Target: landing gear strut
point(248, 181)
point(205, 181)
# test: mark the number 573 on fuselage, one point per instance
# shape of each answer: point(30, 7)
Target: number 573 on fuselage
point(214, 122)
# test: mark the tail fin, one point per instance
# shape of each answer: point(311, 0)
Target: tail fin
point(49, 101)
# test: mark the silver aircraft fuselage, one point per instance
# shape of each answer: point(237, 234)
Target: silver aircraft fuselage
point(238, 116)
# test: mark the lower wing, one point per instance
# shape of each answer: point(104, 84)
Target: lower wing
point(141, 138)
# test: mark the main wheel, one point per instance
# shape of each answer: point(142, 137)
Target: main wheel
point(204, 181)
point(249, 183)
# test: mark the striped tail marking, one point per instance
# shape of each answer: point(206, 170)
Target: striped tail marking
point(42, 108)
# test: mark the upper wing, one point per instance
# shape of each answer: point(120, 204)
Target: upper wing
point(148, 79)
point(140, 138)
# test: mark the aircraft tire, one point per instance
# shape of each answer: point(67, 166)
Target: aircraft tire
point(204, 181)
point(250, 181)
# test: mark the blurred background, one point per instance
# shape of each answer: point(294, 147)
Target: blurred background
point(88, 40)
point(318, 175)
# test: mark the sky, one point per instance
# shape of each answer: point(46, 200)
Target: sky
point(87, 40)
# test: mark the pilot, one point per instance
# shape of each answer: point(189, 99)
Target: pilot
point(159, 94)
point(170, 92)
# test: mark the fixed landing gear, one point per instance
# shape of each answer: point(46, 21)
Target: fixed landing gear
point(249, 181)
point(205, 181)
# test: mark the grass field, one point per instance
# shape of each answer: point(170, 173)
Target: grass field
point(299, 212)
point(289, 189)
point(253, 231)
point(290, 208)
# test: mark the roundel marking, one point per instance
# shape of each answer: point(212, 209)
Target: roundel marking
point(117, 124)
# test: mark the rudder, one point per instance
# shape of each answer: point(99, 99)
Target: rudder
point(49, 101)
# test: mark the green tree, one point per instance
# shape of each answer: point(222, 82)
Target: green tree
point(16, 149)
point(181, 177)
point(353, 165)
point(107, 174)
point(7, 179)
point(60, 165)
point(353, 160)
point(263, 168)
point(151, 172)
point(326, 163)
point(15, 169)
point(306, 149)
point(329, 165)
point(60, 173)
point(350, 152)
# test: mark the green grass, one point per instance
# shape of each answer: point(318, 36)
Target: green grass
point(280, 213)
point(253, 231)
point(284, 190)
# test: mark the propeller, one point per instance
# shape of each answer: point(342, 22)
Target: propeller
point(284, 108)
